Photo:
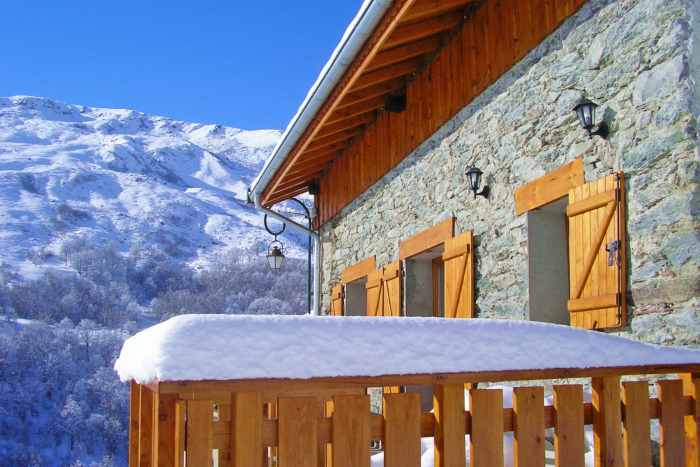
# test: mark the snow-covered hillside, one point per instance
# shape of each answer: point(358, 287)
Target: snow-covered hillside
point(126, 176)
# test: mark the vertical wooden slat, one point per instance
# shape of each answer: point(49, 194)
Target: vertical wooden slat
point(568, 426)
point(691, 387)
point(402, 422)
point(272, 414)
point(146, 440)
point(297, 432)
point(486, 440)
point(637, 432)
point(328, 412)
point(180, 433)
point(167, 428)
point(321, 448)
point(134, 419)
point(588, 320)
point(448, 404)
point(246, 444)
point(528, 426)
point(607, 421)
point(622, 235)
point(671, 423)
point(200, 433)
point(351, 431)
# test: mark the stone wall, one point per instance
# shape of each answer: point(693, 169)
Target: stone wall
point(640, 60)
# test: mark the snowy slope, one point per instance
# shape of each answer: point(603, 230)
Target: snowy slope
point(126, 176)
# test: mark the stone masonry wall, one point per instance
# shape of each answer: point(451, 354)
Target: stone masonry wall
point(640, 60)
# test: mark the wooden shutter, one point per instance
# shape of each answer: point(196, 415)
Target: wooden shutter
point(337, 300)
point(459, 276)
point(596, 214)
point(375, 293)
point(392, 289)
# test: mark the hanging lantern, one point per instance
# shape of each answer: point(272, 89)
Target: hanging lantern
point(275, 255)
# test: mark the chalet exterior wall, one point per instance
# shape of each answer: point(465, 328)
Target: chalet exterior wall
point(640, 60)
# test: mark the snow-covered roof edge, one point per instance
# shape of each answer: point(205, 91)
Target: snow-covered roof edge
point(361, 28)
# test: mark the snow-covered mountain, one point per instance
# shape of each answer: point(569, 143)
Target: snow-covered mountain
point(128, 177)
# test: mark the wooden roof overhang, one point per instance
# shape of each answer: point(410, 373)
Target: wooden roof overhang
point(440, 54)
point(409, 33)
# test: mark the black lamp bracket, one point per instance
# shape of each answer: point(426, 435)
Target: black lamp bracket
point(603, 131)
point(284, 226)
point(484, 192)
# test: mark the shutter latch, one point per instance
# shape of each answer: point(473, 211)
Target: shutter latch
point(613, 248)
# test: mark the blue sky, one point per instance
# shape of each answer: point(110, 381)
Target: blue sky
point(244, 64)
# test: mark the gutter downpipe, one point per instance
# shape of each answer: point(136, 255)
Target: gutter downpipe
point(317, 249)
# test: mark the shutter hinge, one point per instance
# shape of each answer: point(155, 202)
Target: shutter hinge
point(613, 248)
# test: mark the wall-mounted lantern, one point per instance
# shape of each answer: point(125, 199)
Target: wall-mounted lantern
point(275, 256)
point(474, 180)
point(585, 110)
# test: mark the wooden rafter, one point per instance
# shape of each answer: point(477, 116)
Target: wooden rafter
point(405, 52)
point(334, 138)
point(305, 164)
point(423, 29)
point(388, 73)
point(381, 89)
point(357, 109)
point(345, 124)
point(384, 29)
point(423, 8)
point(293, 180)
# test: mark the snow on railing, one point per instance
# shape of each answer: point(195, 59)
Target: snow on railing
point(250, 412)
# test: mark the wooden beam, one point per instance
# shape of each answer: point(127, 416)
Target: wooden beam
point(422, 29)
point(315, 162)
point(357, 109)
point(167, 387)
point(388, 73)
point(384, 29)
point(422, 8)
point(287, 193)
point(359, 270)
point(340, 136)
point(339, 146)
point(549, 188)
point(427, 239)
point(607, 421)
point(381, 89)
point(304, 176)
point(363, 119)
point(405, 52)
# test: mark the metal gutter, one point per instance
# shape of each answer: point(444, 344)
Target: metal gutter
point(364, 24)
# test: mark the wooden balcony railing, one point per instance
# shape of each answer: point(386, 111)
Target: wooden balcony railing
point(200, 423)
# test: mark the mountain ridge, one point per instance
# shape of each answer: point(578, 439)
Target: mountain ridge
point(129, 177)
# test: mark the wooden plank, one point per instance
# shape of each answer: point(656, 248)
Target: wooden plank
point(528, 426)
point(637, 430)
point(200, 433)
point(591, 203)
point(134, 423)
point(568, 426)
point(375, 293)
point(592, 303)
point(146, 428)
point(607, 421)
point(359, 270)
point(459, 278)
point(486, 440)
point(671, 423)
point(356, 109)
point(360, 382)
point(382, 89)
point(167, 430)
point(422, 29)
point(180, 432)
point(592, 250)
point(402, 426)
point(246, 441)
point(388, 73)
point(392, 289)
point(691, 389)
point(455, 252)
point(297, 432)
point(448, 404)
point(345, 125)
point(351, 431)
point(405, 52)
point(344, 135)
point(550, 187)
point(423, 8)
point(427, 239)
